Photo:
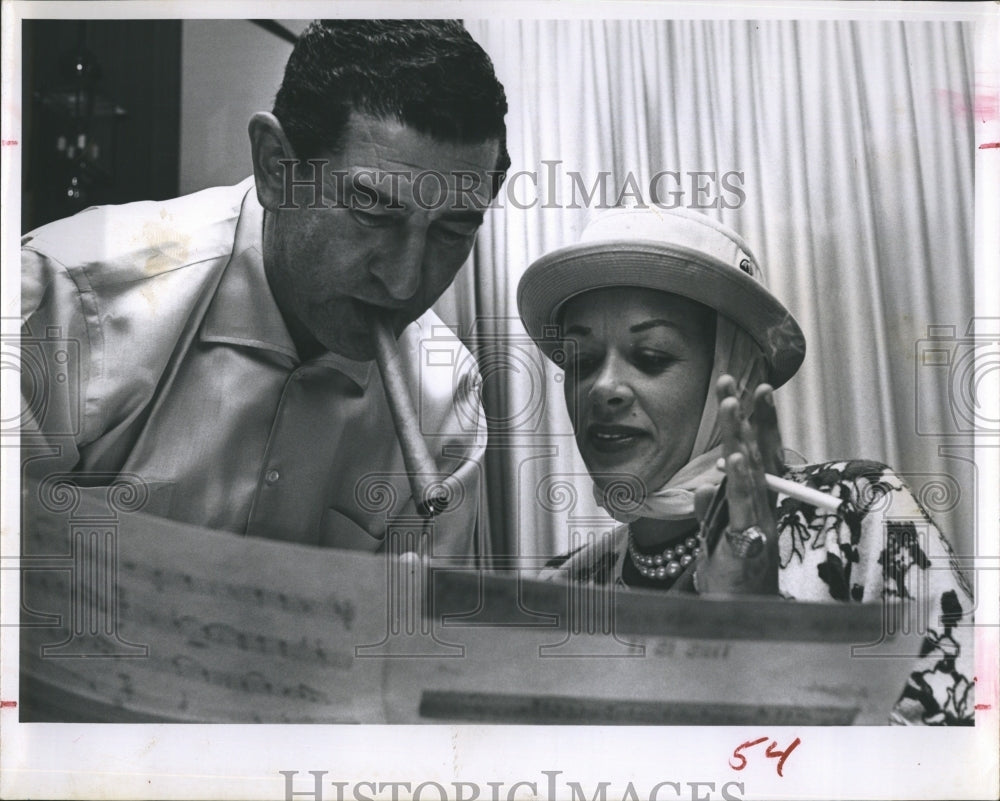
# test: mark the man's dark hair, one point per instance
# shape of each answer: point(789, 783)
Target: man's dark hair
point(427, 74)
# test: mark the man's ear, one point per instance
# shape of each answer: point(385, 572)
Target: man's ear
point(269, 147)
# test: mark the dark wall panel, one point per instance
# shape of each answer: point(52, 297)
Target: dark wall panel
point(132, 78)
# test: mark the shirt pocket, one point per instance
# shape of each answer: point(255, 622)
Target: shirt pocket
point(337, 530)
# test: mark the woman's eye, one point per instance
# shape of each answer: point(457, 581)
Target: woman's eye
point(652, 361)
point(584, 364)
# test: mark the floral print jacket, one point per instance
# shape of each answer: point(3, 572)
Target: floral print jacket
point(880, 544)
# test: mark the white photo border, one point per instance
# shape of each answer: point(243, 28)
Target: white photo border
point(245, 762)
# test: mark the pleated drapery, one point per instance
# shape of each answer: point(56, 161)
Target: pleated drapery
point(843, 153)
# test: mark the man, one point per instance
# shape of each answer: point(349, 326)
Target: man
point(219, 346)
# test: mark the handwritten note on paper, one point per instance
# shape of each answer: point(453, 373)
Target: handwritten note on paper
point(165, 621)
point(127, 617)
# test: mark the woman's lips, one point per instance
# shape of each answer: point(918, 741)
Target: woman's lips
point(612, 438)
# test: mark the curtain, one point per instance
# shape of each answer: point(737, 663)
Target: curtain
point(841, 151)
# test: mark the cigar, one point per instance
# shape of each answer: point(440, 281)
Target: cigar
point(427, 493)
point(813, 497)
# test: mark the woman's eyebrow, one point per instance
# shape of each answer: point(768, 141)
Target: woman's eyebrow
point(582, 330)
point(646, 325)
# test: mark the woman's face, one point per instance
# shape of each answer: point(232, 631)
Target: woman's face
point(637, 383)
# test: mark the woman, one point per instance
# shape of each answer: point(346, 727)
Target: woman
point(671, 345)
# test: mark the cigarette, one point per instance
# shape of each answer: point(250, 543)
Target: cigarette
point(820, 500)
point(417, 459)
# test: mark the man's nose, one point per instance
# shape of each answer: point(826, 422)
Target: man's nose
point(610, 391)
point(400, 269)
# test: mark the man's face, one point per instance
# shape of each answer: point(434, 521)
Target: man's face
point(403, 212)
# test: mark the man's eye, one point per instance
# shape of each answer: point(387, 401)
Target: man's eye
point(372, 219)
point(453, 234)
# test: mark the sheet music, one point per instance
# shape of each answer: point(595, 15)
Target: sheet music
point(212, 627)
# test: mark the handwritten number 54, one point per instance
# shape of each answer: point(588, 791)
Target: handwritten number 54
point(738, 761)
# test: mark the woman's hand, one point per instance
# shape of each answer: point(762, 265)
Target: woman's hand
point(744, 559)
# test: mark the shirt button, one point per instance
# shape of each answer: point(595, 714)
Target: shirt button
point(272, 476)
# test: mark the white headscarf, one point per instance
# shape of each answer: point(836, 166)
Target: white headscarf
point(736, 354)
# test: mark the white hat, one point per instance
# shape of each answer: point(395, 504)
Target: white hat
point(671, 250)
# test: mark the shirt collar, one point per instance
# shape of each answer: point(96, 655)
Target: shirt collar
point(244, 312)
